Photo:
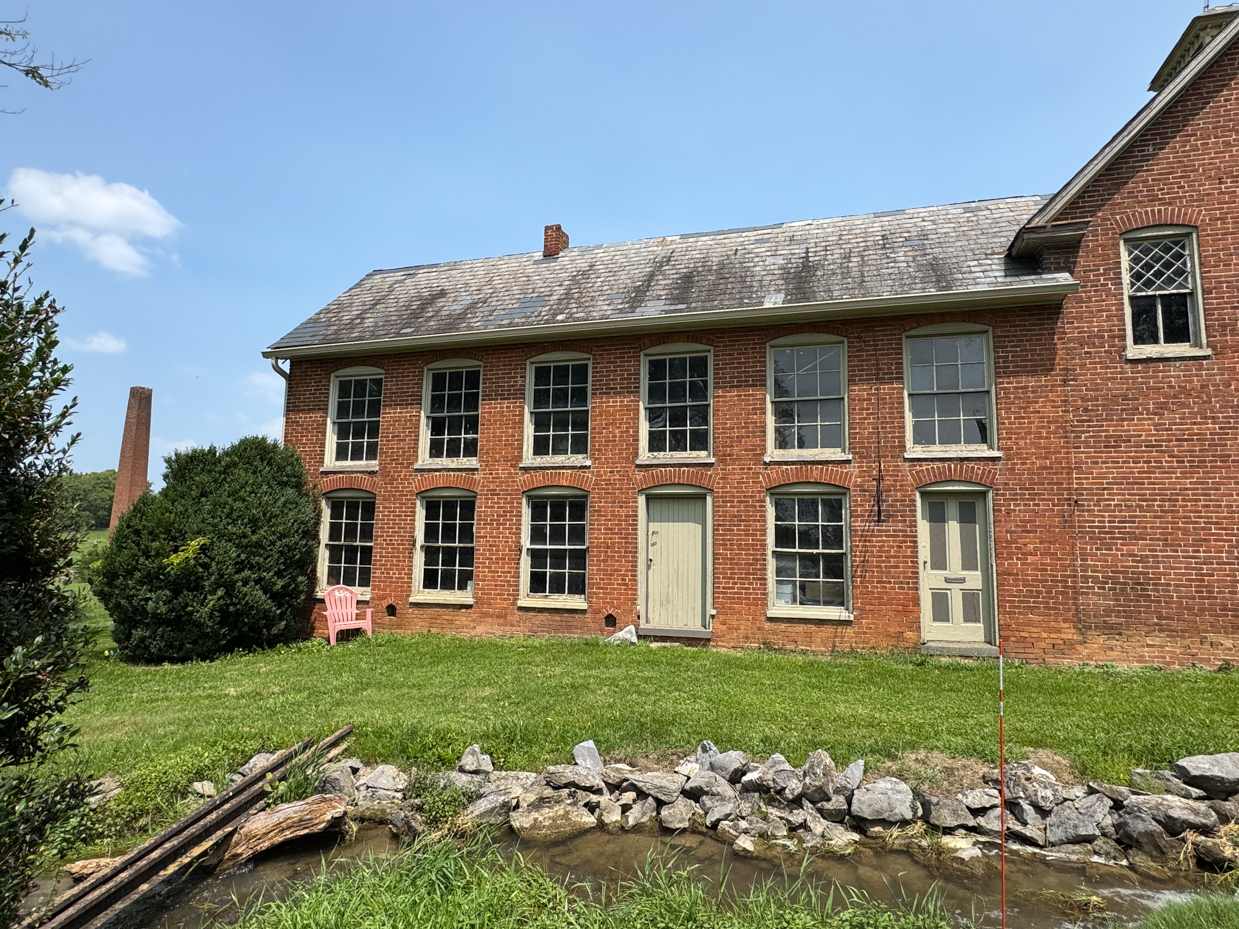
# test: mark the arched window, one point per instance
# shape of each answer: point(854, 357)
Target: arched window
point(809, 553)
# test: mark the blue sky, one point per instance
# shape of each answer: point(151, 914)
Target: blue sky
point(243, 163)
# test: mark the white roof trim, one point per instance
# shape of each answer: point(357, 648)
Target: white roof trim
point(1138, 123)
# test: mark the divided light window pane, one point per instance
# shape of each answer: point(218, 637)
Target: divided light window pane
point(559, 408)
point(1161, 286)
point(677, 404)
point(807, 400)
point(558, 545)
point(350, 542)
point(949, 391)
point(359, 402)
point(810, 551)
point(452, 413)
point(447, 544)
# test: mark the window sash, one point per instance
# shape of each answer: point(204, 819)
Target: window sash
point(807, 397)
point(950, 391)
point(453, 409)
point(809, 551)
point(559, 408)
point(356, 414)
point(349, 545)
point(557, 546)
point(447, 544)
point(677, 404)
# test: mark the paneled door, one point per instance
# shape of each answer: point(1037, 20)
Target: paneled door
point(675, 550)
point(956, 569)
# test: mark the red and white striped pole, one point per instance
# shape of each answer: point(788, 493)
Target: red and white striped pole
point(1002, 791)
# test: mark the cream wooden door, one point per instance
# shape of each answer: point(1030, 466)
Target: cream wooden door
point(675, 549)
point(956, 601)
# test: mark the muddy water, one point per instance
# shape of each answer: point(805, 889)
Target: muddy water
point(1036, 887)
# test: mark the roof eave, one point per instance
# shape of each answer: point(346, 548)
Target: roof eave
point(1136, 125)
point(1039, 294)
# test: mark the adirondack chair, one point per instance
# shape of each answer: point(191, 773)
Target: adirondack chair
point(342, 612)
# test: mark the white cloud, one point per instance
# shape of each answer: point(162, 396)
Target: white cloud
point(100, 218)
point(103, 342)
point(266, 386)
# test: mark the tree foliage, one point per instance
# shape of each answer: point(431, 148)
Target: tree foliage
point(41, 636)
point(90, 493)
point(218, 560)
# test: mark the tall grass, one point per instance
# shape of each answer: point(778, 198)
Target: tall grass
point(1207, 911)
point(437, 884)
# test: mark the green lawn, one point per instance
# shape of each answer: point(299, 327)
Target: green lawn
point(424, 698)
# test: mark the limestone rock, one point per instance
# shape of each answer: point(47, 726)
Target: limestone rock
point(573, 775)
point(680, 814)
point(513, 783)
point(551, 818)
point(626, 636)
point(981, 799)
point(1067, 825)
point(887, 800)
point(258, 761)
point(730, 829)
point(744, 846)
point(849, 780)
point(706, 752)
point(707, 782)
point(337, 779)
point(207, 789)
point(945, 813)
point(659, 785)
point(614, 775)
point(404, 824)
point(729, 765)
point(688, 767)
point(1039, 789)
point(102, 790)
point(762, 779)
point(642, 812)
point(834, 810)
point(471, 785)
point(1119, 795)
point(1218, 775)
point(1174, 814)
point(608, 814)
point(819, 777)
point(1109, 850)
point(385, 777)
point(718, 812)
point(1164, 782)
point(491, 810)
point(1142, 832)
point(586, 756)
point(1026, 813)
point(1217, 852)
point(1227, 810)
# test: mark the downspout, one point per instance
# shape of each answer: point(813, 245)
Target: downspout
point(275, 366)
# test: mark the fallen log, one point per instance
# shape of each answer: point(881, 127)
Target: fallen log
point(287, 821)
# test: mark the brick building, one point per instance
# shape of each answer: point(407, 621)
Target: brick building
point(917, 429)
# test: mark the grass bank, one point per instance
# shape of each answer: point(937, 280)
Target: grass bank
point(1207, 911)
point(440, 884)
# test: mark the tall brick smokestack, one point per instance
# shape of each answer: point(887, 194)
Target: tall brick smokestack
point(135, 453)
point(554, 240)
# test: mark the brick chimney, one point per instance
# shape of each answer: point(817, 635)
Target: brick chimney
point(554, 240)
point(135, 448)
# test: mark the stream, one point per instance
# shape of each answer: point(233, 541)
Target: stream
point(1036, 886)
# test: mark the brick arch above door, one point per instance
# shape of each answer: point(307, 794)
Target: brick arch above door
point(954, 471)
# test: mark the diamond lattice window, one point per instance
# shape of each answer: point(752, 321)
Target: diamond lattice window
point(1161, 291)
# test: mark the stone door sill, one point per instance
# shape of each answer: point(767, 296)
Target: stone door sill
point(960, 649)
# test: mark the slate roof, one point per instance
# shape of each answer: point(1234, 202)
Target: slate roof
point(931, 250)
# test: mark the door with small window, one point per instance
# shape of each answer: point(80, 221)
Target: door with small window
point(956, 569)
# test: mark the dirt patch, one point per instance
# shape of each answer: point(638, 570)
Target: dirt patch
point(1057, 765)
point(935, 773)
point(665, 760)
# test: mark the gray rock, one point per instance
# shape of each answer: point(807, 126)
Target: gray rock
point(1074, 792)
point(1164, 782)
point(608, 814)
point(945, 812)
point(1026, 813)
point(255, 763)
point(614, 775)
point(473, 761)
point(1041, 791)
point(104, 789)
point(551, 818)
point(207, 789)
point(688, 767)
point(1075, 851)
point(819, 777)
point(838, 838)
point(337, 779)
point(729, 765)
point(626, 636)
point(981, 799)
point(659, 785)
point(573, 775)
point(707, 782)
point(405, 824)
point(368, 797)
point(849, 780)
point(1032, 835)
point(353, 764)
point(814, 823)
point(1096, 806)
point(744, 846)
point(1140, 831)
point(586, 755)
point(834, 810)
point(642, 812)
point(627, 799)
point(385, 777)
point(511, 782)
point(788, 785)
point(792, 816)
point(1218, 775)
point(1066, 825)
point(888, 800)
point(1174, 814)
point(706, 751)
point(747, 802)
point(1227, 810)
point(1220, 854)
point(1119, 795)
point(471, 785)
point(730, 829)
point(1109, 850)
point(990, 822)
point(491, 810)
point(719, 812)
point(1107, 826)
point(680, 814)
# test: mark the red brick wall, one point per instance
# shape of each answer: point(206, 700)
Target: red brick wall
point(1031, 487)
point(1154, 442)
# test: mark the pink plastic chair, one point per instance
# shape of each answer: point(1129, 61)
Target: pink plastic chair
point(342, 612)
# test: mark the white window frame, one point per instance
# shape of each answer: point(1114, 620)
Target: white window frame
point(805, 340)
point(666, 351)
point(552, 601)
point(827, 613)
point(329, 451)
point(939, 330)
point(528, 459)
point(320, 583)
point(1199, 346)
point(424, 461)
point(448, 597)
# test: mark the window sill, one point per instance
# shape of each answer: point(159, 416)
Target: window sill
point(827, 616)
point(552, 464)
point(840, 458)
point(987, 455)
point(678, 460)
point(550, 603)
point(371, 467)
point(363, 595)
point(429, 599)
point(461, 464)
point(1163, 353)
